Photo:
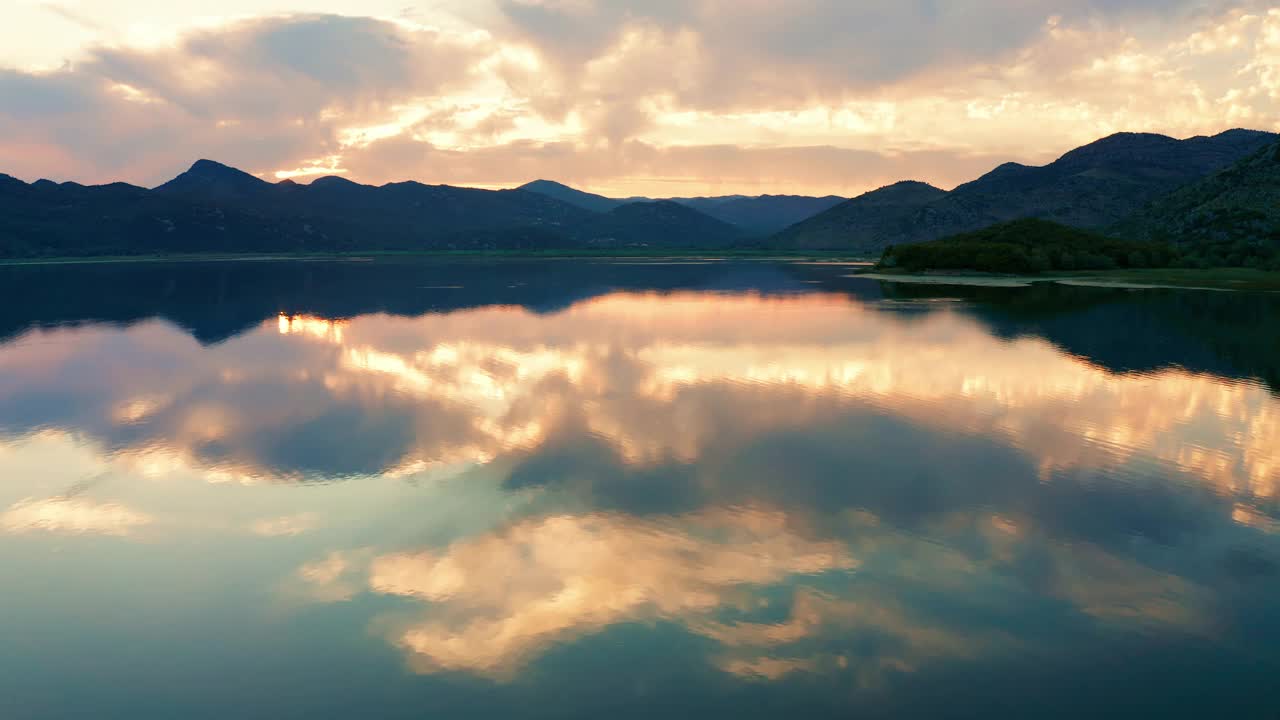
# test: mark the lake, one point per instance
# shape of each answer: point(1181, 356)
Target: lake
point(581, 489)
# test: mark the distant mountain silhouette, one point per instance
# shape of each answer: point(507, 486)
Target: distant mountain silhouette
point(573, 196)
point(664, 223)
point(877, 218)
point(216, 208)
point(760, 215)
point(1091, 187)
point(211, 180)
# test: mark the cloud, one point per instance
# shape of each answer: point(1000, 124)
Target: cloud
point(75, 515)
point(285, 526)
point(734, 55)
point(498, 385)
point(258, 93)
point(656, 98)
point(333, 578)
point(892, 639)
point(744, 578)
point(512, 596)
point(637, 167)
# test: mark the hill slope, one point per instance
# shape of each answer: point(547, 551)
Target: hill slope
point(1092, 187)
point(1231, 217)
point(213, 180)
point(758, 216)
point(573, 196)
point(866, 223)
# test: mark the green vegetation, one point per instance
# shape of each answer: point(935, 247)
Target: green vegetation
point(1231, 218)
point(1027, 247)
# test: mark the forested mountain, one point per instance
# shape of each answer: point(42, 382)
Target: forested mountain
point(1231, 217)
point(1215, 197)
point(1091, 187)
point(215, 208)
point(866, 223)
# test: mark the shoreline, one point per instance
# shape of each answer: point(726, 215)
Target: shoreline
point(371, 256)
point(1214, 279)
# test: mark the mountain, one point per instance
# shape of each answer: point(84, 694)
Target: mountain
point(212, 180)
point(867, 223)
point(662, 223)
point(762, 215)
point(758, 216)
point(1230, 217)
point(573, 196)
point(1091, 187)
point(216, 208)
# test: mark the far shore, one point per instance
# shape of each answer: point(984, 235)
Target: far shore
point(1181, 278)
point(813, 257)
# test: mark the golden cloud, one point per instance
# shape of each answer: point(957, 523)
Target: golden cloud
point(496, 99)
point(480, 385)
point(511, 596)
point(74, 515)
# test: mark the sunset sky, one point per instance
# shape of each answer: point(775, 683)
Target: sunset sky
point(622, 97)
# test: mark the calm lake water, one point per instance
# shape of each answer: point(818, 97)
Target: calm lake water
point(582, 489)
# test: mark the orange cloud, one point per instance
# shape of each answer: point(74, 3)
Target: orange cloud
point(819, 97)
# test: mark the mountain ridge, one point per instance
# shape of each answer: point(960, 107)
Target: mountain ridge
point(1229, 217)
point(758, 215)
point(212, 207)
point(1090, 187)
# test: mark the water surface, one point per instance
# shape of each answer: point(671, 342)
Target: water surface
point(569, 488)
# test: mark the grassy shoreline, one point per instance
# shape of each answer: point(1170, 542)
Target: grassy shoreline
point(1182, 278)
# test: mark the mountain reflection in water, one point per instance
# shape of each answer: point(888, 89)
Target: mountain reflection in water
point(524, 488)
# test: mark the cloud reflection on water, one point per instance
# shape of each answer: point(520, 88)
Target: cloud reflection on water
point(657, 377)
point(805, 485)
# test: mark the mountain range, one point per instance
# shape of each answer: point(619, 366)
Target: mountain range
point(1092, 187)
point(754, 216)
point(1223, 189)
